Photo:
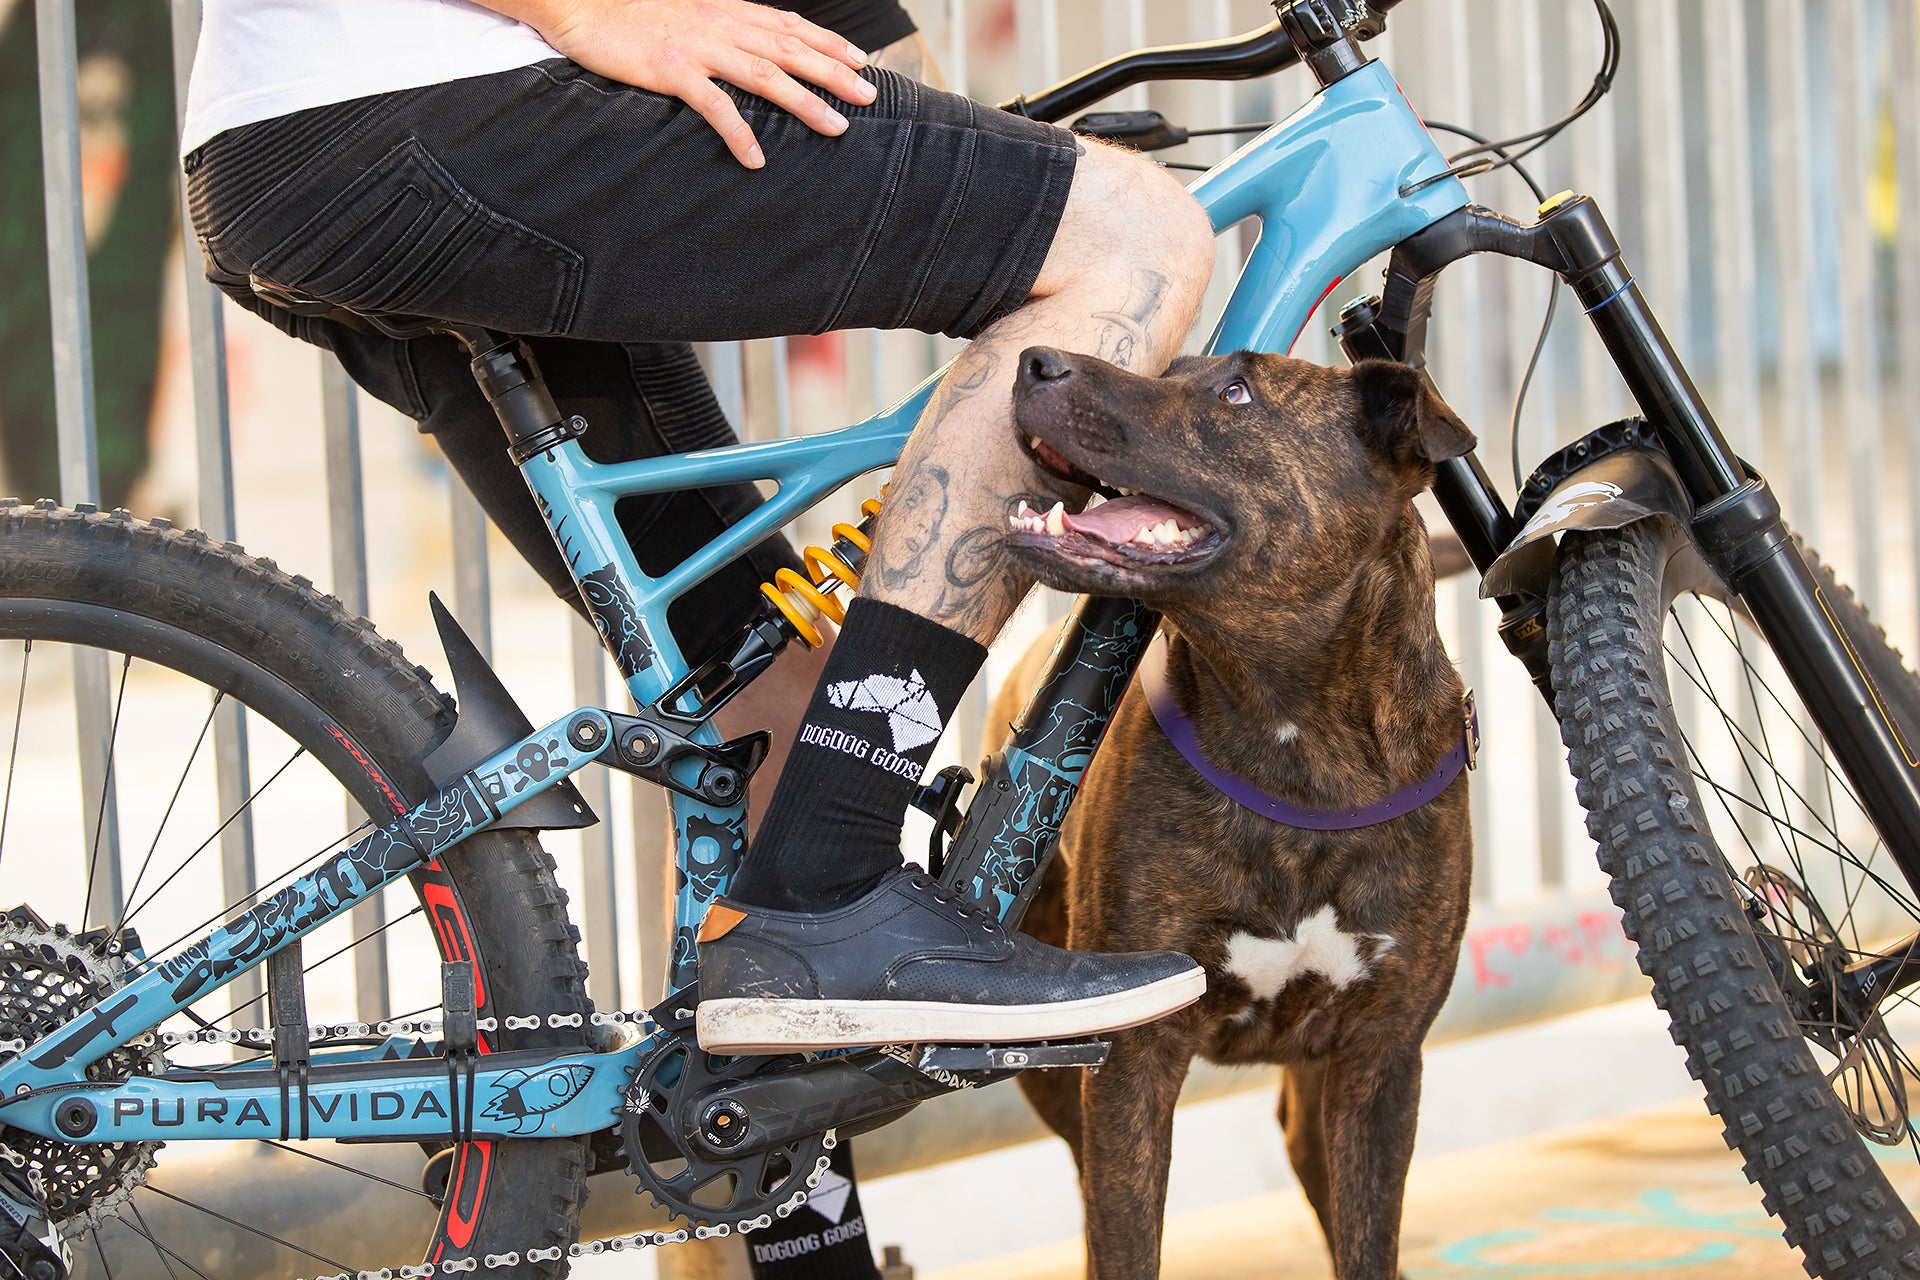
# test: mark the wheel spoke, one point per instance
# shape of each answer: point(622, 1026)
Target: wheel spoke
point(332, 955)
point(13, 752)
point(172, 800)
point(347, 1168)
point(145, 1232)
point(106, 782)
point(202, 848)
point(248, 1227)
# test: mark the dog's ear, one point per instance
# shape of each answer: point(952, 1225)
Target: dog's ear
point(1403, 417)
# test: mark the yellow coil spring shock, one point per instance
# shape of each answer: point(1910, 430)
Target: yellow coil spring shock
point(803, 603)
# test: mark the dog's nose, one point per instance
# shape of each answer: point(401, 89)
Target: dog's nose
point(1043, 365)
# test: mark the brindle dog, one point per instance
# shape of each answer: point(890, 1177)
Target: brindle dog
point(1297, 591)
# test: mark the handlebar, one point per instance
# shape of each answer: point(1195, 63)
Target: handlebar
point(1247, 57)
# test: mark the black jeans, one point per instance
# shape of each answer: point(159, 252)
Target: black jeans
point(611, 227)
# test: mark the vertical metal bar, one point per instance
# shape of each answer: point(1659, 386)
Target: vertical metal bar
point(599, 914)
point(1802, 407)
point(782, 390)
point(959, 67)
point(472, 585)
point(347, 541)
point(1600, 392)
point(74, 409)
point(1526, 298)
point(1038, 24)
point(877, 372)
point(1903, 38)
point(1124, 27)
point(1792, 200)
point(67, 251)
point(725, 369)
point(214, 461)
point(1730, 180)
point(1850, 69)
point(1462, 309)
point(1664, 189)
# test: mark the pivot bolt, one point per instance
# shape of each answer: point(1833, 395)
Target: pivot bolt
point(641, 745)
point(720, 783)
point(724, 1124)
point(76, 1118)
point(584, 733)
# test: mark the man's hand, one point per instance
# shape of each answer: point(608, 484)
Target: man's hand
point(680, 47)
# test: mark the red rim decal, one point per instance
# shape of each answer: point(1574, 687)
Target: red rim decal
point(394, 803)
point(450, 927)
point(463, 1201)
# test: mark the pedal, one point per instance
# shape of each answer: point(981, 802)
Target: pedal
point(965, 1058)
point(29, 1242)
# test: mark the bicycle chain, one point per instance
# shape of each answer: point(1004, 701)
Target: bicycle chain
point(323, 1033)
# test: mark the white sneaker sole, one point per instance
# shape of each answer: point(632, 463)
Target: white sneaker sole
point(747, 1026)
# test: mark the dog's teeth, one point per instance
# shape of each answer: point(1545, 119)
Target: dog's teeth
point(1025, 510)
point(1056, 523)
point(1034, 441)
point(1093, 502)
point(1125, 493)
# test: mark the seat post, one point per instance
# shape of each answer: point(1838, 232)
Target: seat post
point(510, 378)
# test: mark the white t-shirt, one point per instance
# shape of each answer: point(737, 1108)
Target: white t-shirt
point(264, 58)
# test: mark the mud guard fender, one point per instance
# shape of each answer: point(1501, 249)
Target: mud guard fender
point(1611, 492)
point(489, 720)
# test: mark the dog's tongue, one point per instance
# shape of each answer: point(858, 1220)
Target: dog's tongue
point(1118, 520)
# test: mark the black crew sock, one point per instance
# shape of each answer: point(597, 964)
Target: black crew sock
point(833, 828)
point(825, 1239)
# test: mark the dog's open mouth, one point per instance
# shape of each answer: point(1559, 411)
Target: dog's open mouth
point(1118, 525)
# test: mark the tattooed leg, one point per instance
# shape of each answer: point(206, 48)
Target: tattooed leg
point(1123, 281)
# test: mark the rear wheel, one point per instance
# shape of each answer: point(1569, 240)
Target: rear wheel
point(199, 647)
point(1750, 878)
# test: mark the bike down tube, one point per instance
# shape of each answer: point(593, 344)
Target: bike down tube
point(470, 803)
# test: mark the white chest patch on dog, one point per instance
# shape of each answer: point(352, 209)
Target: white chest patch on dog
point(1287, 733)
point(1318, 945)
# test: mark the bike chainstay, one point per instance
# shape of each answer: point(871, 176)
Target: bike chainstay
point(263, 1037)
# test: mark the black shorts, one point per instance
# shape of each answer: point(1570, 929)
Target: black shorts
point(611, 225)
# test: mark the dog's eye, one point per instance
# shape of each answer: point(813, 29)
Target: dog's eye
point(1237, 392)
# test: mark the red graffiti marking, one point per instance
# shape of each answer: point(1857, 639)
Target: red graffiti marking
point(1591, 939)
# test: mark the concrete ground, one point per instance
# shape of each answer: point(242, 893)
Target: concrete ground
point(1576, 1147)
point(1654, 1195)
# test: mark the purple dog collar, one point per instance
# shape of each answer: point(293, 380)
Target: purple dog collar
point(1179, 730)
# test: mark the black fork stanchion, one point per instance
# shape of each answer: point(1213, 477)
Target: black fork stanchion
point(1735, 519)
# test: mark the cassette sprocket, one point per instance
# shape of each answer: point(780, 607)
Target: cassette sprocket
point(661, 1108)
point(48, 977)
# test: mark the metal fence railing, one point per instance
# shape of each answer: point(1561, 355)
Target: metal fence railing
point(1760, 160)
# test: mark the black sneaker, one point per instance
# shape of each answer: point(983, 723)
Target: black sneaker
point(908, 964)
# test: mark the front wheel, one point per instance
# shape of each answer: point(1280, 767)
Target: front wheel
point(1750, 878)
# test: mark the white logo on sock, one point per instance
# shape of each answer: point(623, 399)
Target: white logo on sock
point(829, 1199)
point(909, 708)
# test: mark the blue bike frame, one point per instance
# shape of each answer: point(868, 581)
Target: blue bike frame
point(1330, 187)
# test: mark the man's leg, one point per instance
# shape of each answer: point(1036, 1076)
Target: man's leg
point(809, 949)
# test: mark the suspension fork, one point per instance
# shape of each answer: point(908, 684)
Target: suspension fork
point(1735, 520)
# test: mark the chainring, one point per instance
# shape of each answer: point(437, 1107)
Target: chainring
point(48, 977)
point(720, 1195)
